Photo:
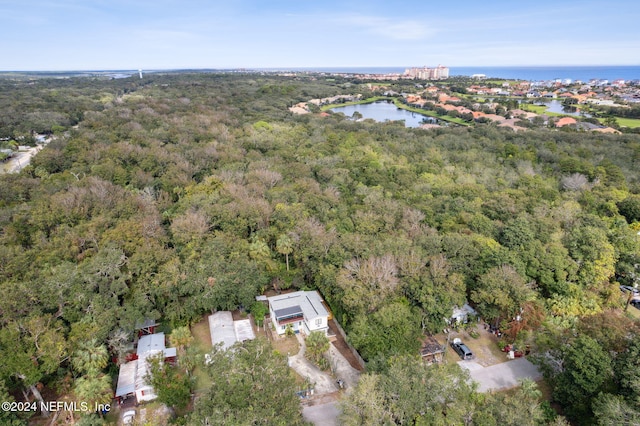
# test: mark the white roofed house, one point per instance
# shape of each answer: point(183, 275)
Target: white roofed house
point(303, 311)
point(132, 376)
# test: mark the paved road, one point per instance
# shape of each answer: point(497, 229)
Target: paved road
point(20, 160)
point(501, 376)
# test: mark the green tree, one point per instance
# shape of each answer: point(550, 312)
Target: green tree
point(436, 291)
point(367, 283)
point(28, 363)
point(628, 371)
point(8, 418)
point(611, 121)
point(317, 344)
point(259, 249)
point(411, 392)
point(392, 330)
point(614, 410)
point(259, 310)
point(587, 368)
point(630, 208)
point(181, 338)
point(595, 255)
point(519, 408)
point(500, 293)
point(94, 389)
point(517, 233)
point(172, 385)
point(252, 385)
point(366, 405)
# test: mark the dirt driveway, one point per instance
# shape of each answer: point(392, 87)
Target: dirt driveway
point(343, 369)
point(325, 383)
point(325, 414)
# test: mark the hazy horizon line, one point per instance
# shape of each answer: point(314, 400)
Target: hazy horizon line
point(283, 68)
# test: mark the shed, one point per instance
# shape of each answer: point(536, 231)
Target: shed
point(462, 315)
point(432, 351)
point(226, 331)
point(154, 343)
point(147, 326)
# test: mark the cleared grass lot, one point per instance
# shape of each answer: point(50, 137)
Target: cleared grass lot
point(632, 123)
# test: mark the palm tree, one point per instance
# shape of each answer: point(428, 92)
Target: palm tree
point(259, 250)
point(317, 344)
point(94, 389)
point(181, 337)
point(284, 245)
point(90, 357)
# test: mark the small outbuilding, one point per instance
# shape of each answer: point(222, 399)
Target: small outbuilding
point(224, 330)
point(462, 315)
point(432, 351)
point(148, 326)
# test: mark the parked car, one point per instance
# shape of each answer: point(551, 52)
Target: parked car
point(128, 417)
point(461, 349)
point(628, 288)
point(635, 303)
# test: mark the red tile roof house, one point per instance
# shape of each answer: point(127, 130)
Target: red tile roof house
point(566, 121)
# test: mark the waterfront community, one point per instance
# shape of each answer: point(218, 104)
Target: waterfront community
point(516, 104)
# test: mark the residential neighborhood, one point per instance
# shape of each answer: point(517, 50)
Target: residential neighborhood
point(185, 250)
point(518, 105)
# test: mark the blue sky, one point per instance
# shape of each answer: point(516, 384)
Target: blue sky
point(171, 34)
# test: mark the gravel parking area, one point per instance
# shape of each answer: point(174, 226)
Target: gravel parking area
point(501, 376)
point(322, 414)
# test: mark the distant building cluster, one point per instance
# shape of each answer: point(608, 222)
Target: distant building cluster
point(425, 73)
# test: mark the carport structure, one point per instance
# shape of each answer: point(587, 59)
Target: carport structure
point(224, 330)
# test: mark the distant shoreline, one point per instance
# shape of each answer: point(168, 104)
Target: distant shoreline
point(528, 73)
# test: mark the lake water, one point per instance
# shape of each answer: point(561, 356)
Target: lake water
point(384, 111)
point(556, 106)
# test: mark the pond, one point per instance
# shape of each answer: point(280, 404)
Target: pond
point(556, 106)
point(385, 111)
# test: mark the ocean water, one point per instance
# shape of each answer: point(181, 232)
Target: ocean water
point(532, 73)
point(584, 73)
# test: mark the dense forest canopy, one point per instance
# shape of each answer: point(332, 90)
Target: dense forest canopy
point(181, 194)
